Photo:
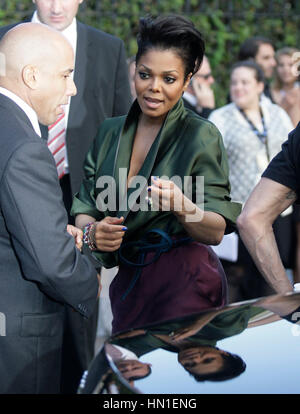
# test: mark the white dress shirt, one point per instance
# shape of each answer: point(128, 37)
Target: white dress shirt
point(31, 114)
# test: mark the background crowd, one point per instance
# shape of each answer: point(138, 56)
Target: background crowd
point(255, 105)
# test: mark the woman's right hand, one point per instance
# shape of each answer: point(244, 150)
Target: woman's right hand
point(109, 233)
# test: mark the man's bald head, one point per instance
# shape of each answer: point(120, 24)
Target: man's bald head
point(37, 60)
point(31, 44)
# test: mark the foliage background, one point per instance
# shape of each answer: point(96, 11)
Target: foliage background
point(225, 24)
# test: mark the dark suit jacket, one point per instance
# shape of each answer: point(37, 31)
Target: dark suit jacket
point(40, 267)
point(103, 91)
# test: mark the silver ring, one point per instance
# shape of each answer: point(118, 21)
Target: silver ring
point(149, 201)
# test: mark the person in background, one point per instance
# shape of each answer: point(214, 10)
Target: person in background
point(199, 95)
point(285, 88)
point(253, 131)
point(103, 91)
point(262, 51)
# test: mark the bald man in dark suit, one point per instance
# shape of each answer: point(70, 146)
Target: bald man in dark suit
point(41, 270)
point(103, 91)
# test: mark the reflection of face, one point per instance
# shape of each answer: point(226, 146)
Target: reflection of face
point(204, 75)
point(57, 13)
point(55, 86)
point(132, 368)
point(244, 88)
point(284, 69)
point(201, 360)
point(265, 57)
point(159, 82)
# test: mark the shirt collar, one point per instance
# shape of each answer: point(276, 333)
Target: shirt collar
point(25, 107)
point(190, 98)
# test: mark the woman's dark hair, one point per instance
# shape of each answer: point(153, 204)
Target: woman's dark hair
point(136, 378)
point(250, 64)
point(172, 32)
point(233, 366)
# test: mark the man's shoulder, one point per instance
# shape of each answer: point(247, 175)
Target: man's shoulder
point(284, 167)
point(5, 29)
point(294, 140)
point(17, 138)
point(98, 35)
point(14, 122)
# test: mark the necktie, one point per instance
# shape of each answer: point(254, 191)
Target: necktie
point(57, 143)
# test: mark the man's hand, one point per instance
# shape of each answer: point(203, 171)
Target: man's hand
point(204, 93)
point(77, 234)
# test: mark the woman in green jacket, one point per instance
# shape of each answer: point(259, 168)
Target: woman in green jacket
point(156, 188)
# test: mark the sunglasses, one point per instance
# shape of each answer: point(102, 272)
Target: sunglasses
point(207, 76)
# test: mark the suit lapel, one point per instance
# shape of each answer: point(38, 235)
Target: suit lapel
point(161, 144)
point(13, 107)
point(122, 160)
point(81, 61)
point(44, 132)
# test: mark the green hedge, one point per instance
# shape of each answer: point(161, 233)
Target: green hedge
point(224, 23)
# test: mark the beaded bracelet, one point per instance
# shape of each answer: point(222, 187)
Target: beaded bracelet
point(88, 236)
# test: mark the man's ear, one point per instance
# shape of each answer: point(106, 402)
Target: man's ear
point(30, 76)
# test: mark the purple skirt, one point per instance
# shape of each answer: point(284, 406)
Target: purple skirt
point(185, 280)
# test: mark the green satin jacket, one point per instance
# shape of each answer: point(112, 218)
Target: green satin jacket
point(186, 146)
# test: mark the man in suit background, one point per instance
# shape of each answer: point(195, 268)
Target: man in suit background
point(103, 91)
point(40, 267)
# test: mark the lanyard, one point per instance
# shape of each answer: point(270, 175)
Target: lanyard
point(262, 136)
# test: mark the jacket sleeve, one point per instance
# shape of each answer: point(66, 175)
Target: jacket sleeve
point(212, 165)
point(36, 219)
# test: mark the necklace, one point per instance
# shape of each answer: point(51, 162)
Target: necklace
point(262, 136)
